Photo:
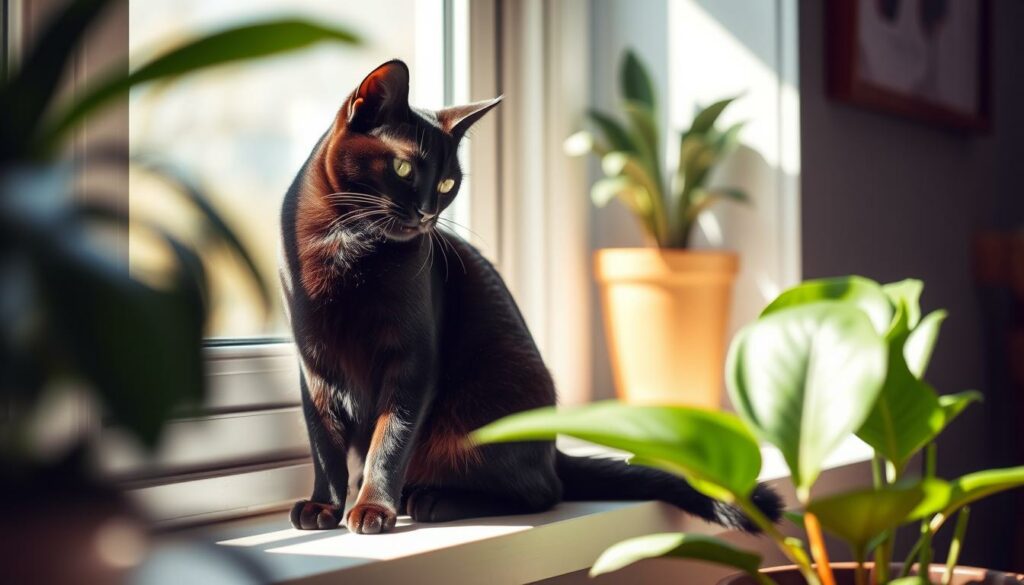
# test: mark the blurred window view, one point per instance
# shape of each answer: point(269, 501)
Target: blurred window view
point(243, 131)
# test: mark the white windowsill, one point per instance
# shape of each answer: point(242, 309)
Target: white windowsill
point(510, 549)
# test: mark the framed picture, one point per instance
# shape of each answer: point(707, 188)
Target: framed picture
point(925, 59)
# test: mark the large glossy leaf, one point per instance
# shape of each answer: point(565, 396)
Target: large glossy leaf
point(866, 294)
point(921, 342)
point(982, 484)
point(907, 414)
point(635, 82)
point(236, 44)
point(805, 378)
point(859, 516)
point(675, 545)
point(714, 450)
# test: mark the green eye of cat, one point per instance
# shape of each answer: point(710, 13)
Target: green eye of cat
point(403, 168)
point(446, 185)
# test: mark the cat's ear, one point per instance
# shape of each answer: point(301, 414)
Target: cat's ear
point(381, 98)
point(457, 119)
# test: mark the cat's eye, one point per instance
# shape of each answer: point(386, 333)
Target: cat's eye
point(403, 168)
point(445, 185)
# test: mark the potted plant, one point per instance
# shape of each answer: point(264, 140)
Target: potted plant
point(73, 320)
point(827, 359)
point(666, 307)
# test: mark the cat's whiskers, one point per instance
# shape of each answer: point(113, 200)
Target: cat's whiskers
point(452, 247)
point(433, 235)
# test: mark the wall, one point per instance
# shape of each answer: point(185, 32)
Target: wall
point(891, 198)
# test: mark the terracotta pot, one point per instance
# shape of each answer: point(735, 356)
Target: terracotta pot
point(665, 316)
point(844, 573)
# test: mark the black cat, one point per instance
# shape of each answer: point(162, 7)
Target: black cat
point(402, 358)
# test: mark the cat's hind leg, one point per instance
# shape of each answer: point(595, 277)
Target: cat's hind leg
point(327, 439)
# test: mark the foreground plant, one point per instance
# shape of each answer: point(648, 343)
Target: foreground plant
point(826, 360)
point(72, 315)
point(666, 204)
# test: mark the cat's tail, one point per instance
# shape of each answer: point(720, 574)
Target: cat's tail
point(589, 478)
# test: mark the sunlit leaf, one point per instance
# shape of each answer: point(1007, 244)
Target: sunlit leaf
point(614, 133)
point(707, 447)
point(982, 484)
point(675, 545)
point(864, 293)
point(805, 378)
point(907, 292)
point(953, 404)
point(861, 515)
point(236, 44)
point(907, 415)
point(706, 118)
point(921, 342)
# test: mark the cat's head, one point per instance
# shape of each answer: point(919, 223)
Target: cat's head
point(394, 168)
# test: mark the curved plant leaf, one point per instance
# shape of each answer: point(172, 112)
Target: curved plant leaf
point(614, 133)
point(907, 415)
point(675, 545)
point(645, 133)
point(866, 294)
point(804, 379)
point(236, 44)
point(706, 118)
point(907, 292)
point(921, 342)
point(982, 484)
point(713, 450)
point(635, 82)
point(953, 404)
point(861, 515)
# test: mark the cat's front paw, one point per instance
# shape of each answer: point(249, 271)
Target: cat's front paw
point(308, 515)
point(370, 519)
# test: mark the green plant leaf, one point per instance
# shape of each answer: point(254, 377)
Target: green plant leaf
point(635, 82)
point(707, 447)
point(614, 133)
point(982, 484)
point(866, 294)
point(631, 194)
point(706, 118)
point(907, 415)
point(921, 342)
point(907, 292)
point(583, 142)
point(645, 133)
point(804, 378)
point(236, 44)
point(861, 515)
point(953, 404)
point(675, 545)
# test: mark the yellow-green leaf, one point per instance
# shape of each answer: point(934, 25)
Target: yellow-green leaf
point(675, 545)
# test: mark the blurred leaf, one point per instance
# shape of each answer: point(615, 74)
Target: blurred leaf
point(906, 415)
point(907, 292)
point(804, 378)
point(953, 404)
point(215, 224)
point(982, 484)
point(26, 97)
point(631, 194)
point(614, 134)
point(861, 515)
point(703, 200)
point(921, 341)
point(635, 82)
point(232, 45)
point(864, 293)
point(706, 118)
point(675, 545)
point(727, 141)
point(711, 449)
point(582, 143)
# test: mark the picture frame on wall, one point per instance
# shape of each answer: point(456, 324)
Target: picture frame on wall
point(924, 59)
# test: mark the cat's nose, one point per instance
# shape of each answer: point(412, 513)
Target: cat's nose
point(426, 217)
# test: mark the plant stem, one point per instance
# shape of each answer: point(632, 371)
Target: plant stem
point(860, 575)
point(771, 531)
point(883, 557)
point(818, 550)
point(955, 544)
point(911, 557)
point(925, 560)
